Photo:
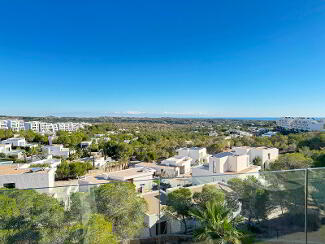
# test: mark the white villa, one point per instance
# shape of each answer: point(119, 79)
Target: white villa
point(6, 149)
point(238, 161)
point(57, 150)
point(96, 161)
point(197, 154)
point(15, 141)
point(142, 178)
point(161, 170)
point(12, 176)
point(182, 162)
point(53, 163)
point(266, 154)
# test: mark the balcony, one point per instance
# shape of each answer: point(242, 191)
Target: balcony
point(265, 207)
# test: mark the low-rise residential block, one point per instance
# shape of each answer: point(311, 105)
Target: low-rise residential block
point(197, 154)
point(11, 176)
point(15, 141)
point(182, 162)
point(57, 151)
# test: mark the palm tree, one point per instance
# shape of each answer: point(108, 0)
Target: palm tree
point(217, 224)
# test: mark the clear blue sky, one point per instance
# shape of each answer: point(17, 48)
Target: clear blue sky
point(205, 58)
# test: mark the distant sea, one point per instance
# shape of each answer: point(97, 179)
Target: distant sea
point(244, 118)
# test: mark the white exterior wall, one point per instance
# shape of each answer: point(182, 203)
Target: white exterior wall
point(5, 148)
point(13, 125)
point(168, 172)
point(16, 142)
point(100, 162)
point(30, 180)
point(150, 229)
point(228, 163)
point(267, 154)
point(163, 171)
point(144, 182)
point(196, 154)
point(179, 161)
point(38, 126)
point(4, 124)
point(238, 163)
point(57, 150)
point(143, 179)
point(218, 165)
point(54, 163)
point(308, 124)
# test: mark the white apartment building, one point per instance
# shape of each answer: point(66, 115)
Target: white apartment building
point(11, 176)
point(3, 125)
point(15, 141)
point(300, 123)
point(182, 162)
point(33, 125)
point(57, 150)
point(41, 127)
point(197, 154)
point(15, 125)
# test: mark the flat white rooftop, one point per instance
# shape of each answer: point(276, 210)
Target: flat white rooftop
point(131, 173)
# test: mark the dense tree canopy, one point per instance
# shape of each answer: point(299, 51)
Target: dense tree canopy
point(28, 215)
point(104, 215)
point(72, 170)
point(254, 199)
point(291, 161)
point(208, 193)
point(121, 205)
point(179, 203)
point(5, 134)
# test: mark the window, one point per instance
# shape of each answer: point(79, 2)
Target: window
point(9, 185)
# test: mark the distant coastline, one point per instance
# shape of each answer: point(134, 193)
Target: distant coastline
point(242, 118)
point(137, 117)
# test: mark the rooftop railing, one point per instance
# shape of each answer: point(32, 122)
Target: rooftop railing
point(265, 207)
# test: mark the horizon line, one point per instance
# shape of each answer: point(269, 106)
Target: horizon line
point(158, 116)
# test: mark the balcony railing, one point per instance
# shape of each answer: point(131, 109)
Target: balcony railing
point(266, 207)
